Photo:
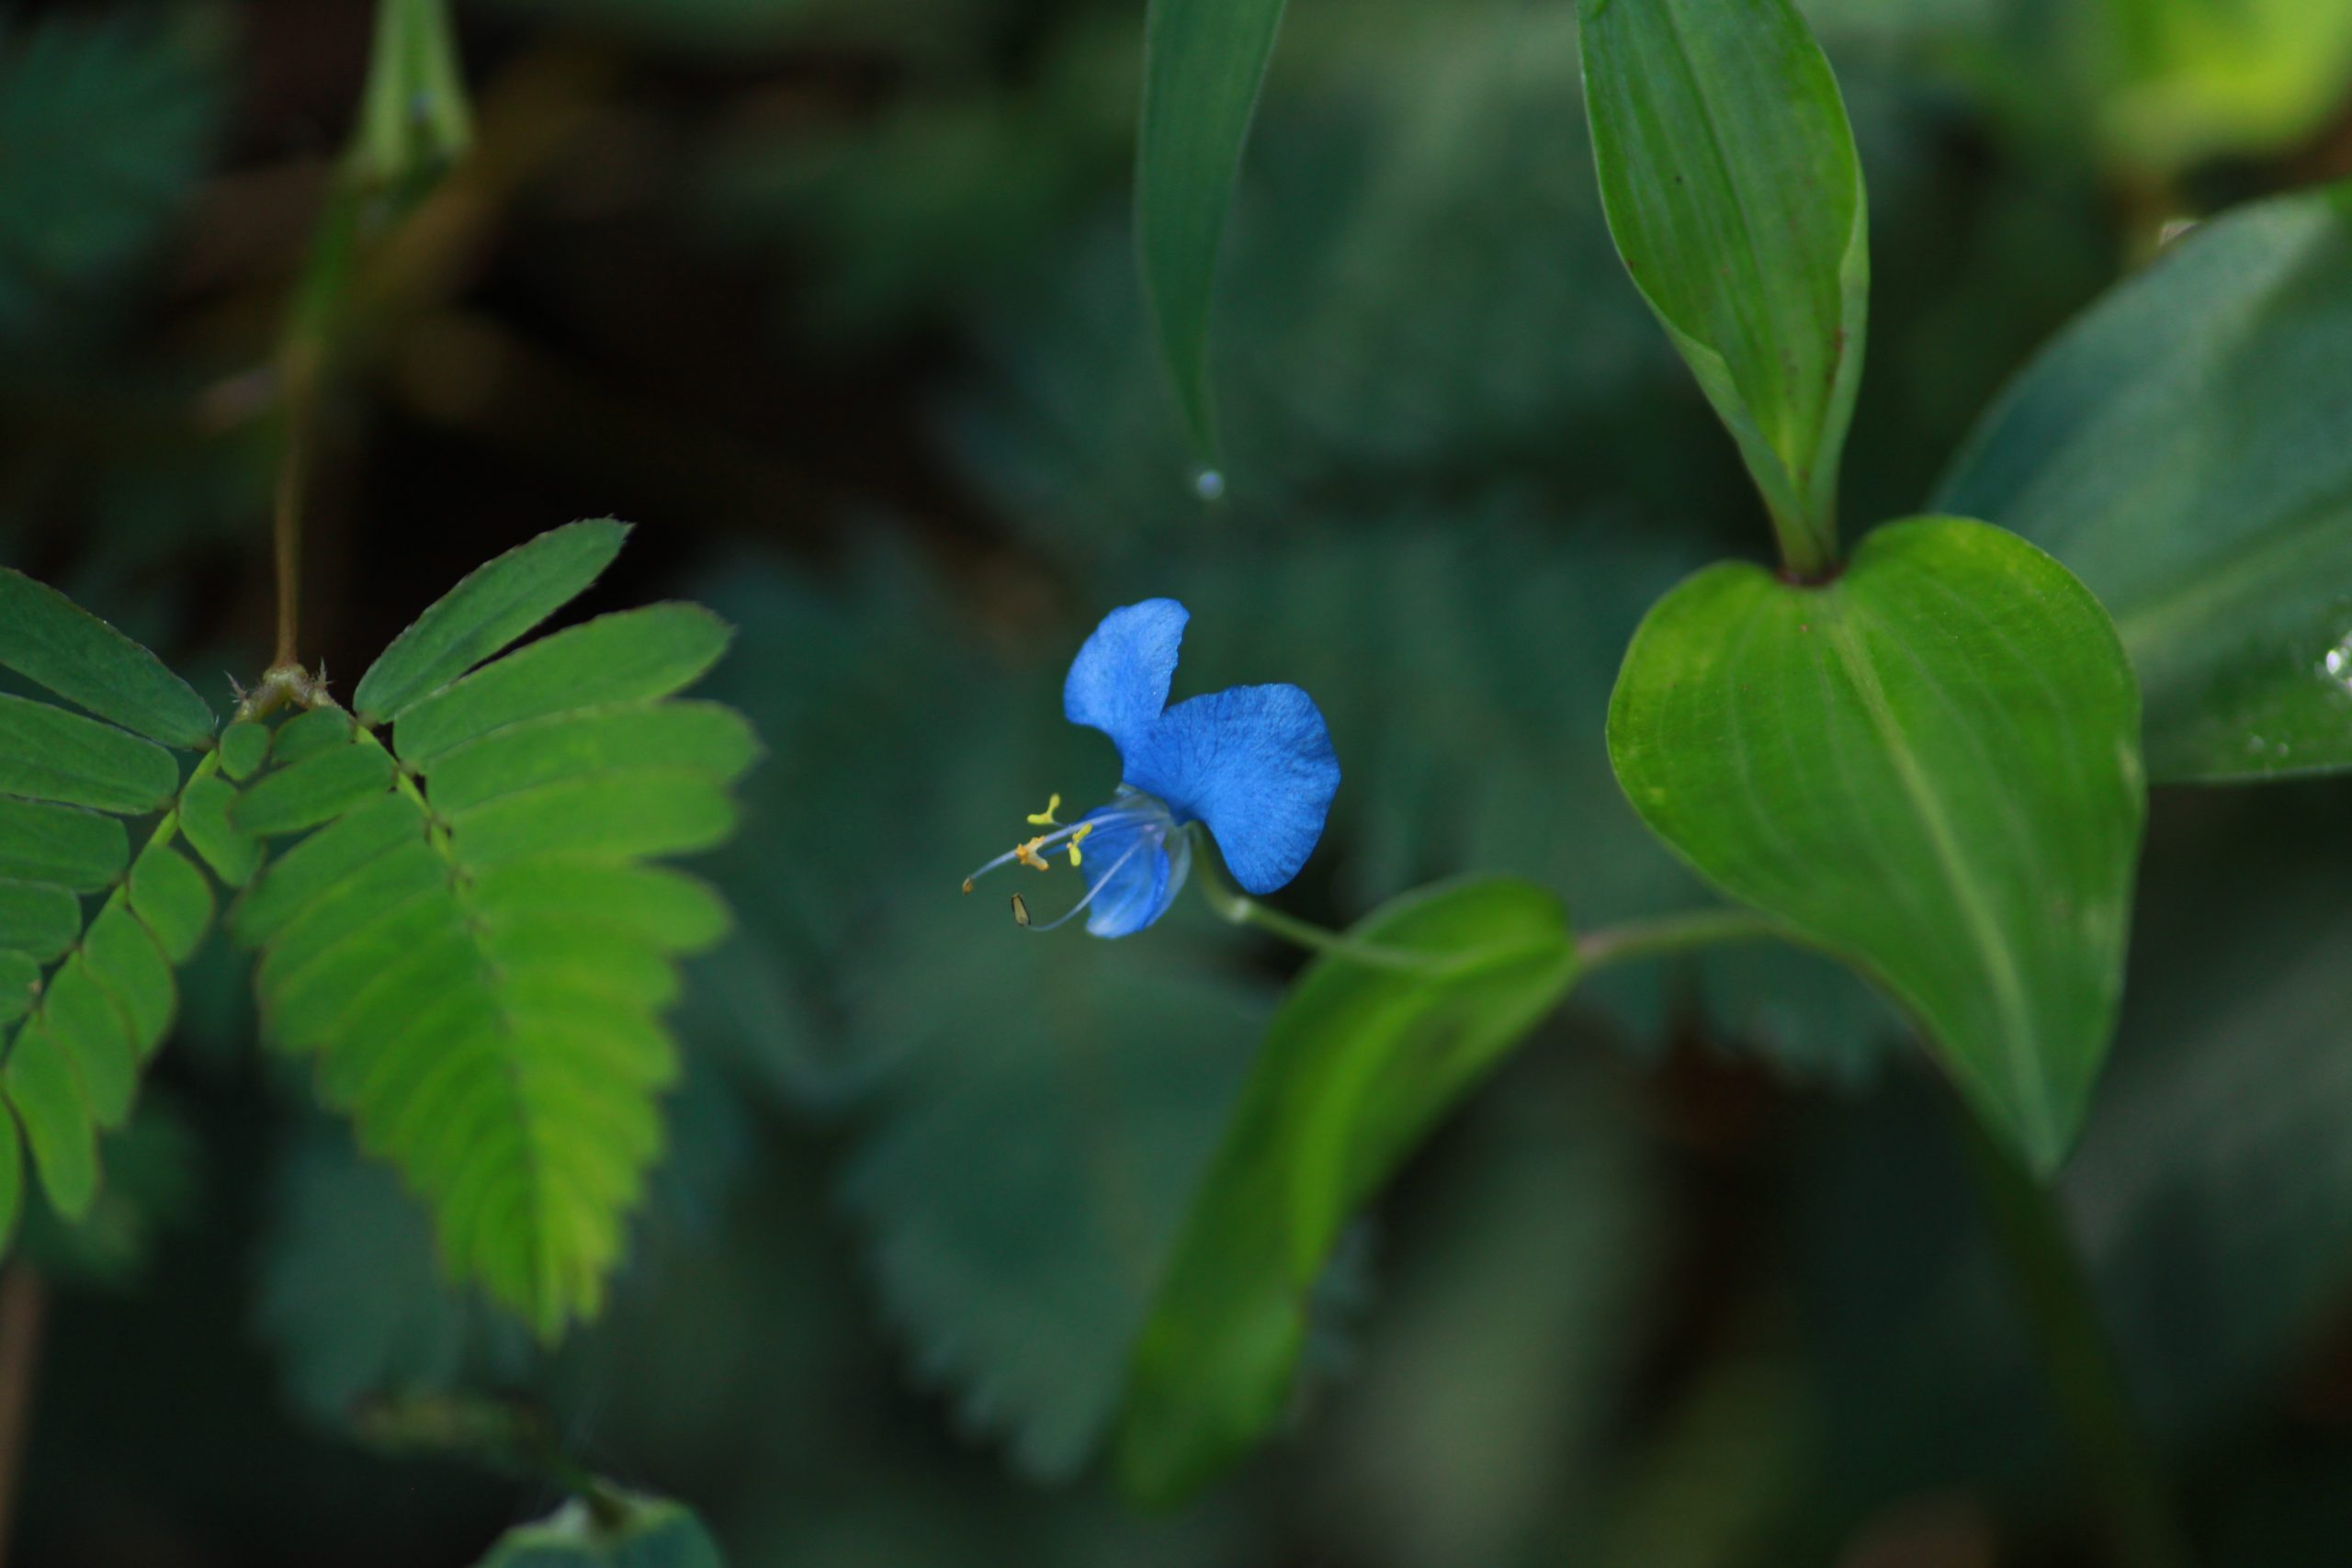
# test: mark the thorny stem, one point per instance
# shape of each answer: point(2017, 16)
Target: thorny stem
point(2087, 1376)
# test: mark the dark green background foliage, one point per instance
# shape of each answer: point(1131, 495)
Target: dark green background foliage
point(838, 301)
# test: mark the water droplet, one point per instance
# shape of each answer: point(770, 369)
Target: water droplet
point(2337, 666)
point(1209, 485)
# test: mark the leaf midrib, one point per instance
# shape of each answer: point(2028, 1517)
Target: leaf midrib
point(1977, 915)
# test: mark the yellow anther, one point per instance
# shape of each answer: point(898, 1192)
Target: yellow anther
point(1027, 854)
point(1046, 818)
point(1077, 839)
point(1020, 910)
point(967, 884)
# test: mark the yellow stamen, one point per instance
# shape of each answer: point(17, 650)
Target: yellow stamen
point(1077, 839)
point(1020, 910)
point(1027, 854)
point(1046, 818)
point(967, 884)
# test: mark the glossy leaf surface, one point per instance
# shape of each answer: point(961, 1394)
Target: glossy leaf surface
point(1929, 766)
point(2182, 449)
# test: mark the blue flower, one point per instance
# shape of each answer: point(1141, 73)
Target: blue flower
point(1252, 764)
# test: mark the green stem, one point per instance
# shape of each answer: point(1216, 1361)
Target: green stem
point(1808, 547)
point(1670, 934)
point(1238, 908)
point(2084, 1369)
point(1595, 950)
point(414, 122)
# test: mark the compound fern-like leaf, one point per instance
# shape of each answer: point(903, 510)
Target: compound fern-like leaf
point(468, 939)
point(87, 989)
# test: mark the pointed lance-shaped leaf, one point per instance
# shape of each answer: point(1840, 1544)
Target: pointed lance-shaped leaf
point(1733, 189)
point(1204, 63)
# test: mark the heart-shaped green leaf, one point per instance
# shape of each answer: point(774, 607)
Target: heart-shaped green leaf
point(1359, 1062)
point(2181, 448)
point(1930, 766)
point(1734, 192)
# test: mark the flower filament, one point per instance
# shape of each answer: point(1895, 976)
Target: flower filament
point(1137, 827)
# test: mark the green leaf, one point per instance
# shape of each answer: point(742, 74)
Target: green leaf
point(1203, 62)
point(38, 920)
point(2178, 448)
point(49, 754)
point(47, 1096)
point(1733, 189)
point(48, 638)
point(130, 966)
point(617, 815)
point(1358, 1064)
point(630, 656)
point(482, 616)
point(320, 864)
point(204, 820)
point(62, 844)
point(152, 1182)
point(623, 1530)
point(307, 735)
point(94, 1036)
point(484, 997)
point(243, 746)
point(19, 985)
point(702, 737)
point(71, 1067)
point(666, 909)
point(171, 896)
point(319, 788)
point(1929, 766)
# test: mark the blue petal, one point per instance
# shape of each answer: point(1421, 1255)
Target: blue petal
point(1128, 855)
point(1256, 765)
point(1118, 683)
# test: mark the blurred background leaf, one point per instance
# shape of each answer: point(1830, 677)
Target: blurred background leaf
point(110, 120)
point(840, 302)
